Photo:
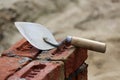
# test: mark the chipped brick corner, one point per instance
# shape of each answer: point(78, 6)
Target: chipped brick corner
point(22, 61)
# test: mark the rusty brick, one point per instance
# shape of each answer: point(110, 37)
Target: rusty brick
point(23, 48)
point(49, 70)
point(75, 60)
point(72, 58)
point(40, 70)
point(8, 66)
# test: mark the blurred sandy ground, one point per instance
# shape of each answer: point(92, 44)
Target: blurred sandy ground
point(92, 19)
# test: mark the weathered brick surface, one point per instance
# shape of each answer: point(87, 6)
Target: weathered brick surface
point(72, 58)
point(16, 57)
point(23, 48)
point(49, 66)
point(75, 60)
point(8, 66)
point(37, 70)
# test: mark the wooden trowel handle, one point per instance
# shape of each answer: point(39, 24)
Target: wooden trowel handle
point(88, 44)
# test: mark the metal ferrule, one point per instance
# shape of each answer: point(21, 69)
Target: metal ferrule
point(68, 39)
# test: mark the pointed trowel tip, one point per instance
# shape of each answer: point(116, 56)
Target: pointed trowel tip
point(17, 23)
point(22, 23)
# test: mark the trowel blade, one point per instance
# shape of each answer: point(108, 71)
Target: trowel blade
point(34, 34)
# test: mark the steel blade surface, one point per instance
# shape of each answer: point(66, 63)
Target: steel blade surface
point(34, 34)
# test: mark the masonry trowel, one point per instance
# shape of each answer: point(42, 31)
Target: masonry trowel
point(41, 38)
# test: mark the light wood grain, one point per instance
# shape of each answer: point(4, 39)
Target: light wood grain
point(89, 44)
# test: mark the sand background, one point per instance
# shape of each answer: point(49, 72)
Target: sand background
point(92, 19)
